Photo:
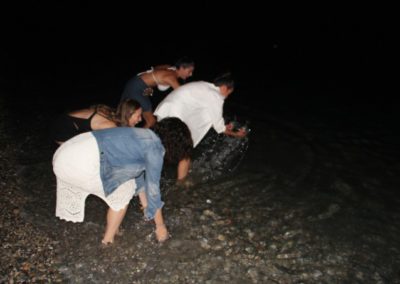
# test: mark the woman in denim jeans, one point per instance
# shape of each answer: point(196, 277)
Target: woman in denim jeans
point(115, 164)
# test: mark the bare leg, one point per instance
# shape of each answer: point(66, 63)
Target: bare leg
point(114, 219)
point(143, 199)
point(161, 231)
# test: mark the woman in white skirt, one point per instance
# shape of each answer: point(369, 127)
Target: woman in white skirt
point(111, 163)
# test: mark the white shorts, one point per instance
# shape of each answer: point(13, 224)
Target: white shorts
point(76, 165)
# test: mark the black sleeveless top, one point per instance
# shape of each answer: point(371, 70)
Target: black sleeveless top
point(65, 126)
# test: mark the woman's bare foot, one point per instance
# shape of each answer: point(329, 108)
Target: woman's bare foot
point(161, 233)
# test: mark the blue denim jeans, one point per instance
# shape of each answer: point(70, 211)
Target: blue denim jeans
point(132, 153)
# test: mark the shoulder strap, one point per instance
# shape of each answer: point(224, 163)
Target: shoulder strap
point(93, 114)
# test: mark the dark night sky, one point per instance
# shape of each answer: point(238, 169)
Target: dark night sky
point(68, 48)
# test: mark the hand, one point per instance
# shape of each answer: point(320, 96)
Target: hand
point(148, 92)
point(229, 126)
point(241, 132)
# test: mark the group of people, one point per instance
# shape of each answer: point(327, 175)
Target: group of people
point(102, 153)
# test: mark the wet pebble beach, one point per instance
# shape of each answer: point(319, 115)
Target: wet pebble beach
point(314, 200)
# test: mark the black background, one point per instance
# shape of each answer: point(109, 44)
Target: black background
point(68, 55)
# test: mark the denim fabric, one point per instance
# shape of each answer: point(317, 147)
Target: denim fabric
point(134, 89)
point(127, 153)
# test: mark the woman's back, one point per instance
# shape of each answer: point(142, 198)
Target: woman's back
point(80, 121)
point(97, 117)
point(162, 78)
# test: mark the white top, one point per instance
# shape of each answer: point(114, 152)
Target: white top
point(161, 87)
point(198, 104)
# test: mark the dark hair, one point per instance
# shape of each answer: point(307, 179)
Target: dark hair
point(184, 62)
point(225, 79)
point(175, 137)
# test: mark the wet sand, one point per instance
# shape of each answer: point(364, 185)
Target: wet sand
point(315, 200)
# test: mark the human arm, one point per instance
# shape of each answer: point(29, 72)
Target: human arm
point(149, 119)
point(227, 129)
point(219, 122)
point(230, 132)
point(215, 109)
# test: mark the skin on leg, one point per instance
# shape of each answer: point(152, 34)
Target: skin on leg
point(161, 230)
point(114, 219)
point(149, 119)
point(143, 199)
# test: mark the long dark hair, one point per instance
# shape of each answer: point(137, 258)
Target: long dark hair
point(175, 137)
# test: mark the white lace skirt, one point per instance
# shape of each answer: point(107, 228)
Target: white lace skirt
point(76, 165)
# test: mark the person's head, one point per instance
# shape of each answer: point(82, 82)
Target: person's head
point(129, 112)
point(225, 83)
point(184, 67)
point(175, 137)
